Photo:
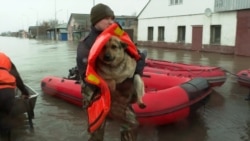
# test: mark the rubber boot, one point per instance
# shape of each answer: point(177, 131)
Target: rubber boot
point(98, 135)
point(129, 135)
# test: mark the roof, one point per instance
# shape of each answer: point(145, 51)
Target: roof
point(61, 26)
point(79, 18)
point(143, 8)
point(174, 8)
point(33, 27)
point(125, 17)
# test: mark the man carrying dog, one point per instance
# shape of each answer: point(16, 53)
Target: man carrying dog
point(9, 80)
point(102, 17)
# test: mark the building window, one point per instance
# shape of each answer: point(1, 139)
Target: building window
point(129, 23)
point(160, 33)
point(123, 24)
point(181, 34)
point(175, 2)
point(215, 34)
point(218, 3)
point(150, 33)
point(80, 27)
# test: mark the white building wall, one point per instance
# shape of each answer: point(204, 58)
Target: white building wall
point(228, 22)
point(194, 16)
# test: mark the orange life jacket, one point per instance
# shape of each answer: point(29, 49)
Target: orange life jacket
point(6, 79)
point(99, 109)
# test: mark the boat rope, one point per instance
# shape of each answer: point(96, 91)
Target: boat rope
point(227, 71)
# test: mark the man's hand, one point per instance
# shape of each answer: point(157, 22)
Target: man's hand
point(24, 96)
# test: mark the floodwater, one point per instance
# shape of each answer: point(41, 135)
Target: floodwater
point(226, 116)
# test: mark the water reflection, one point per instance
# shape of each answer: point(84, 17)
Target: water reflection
point(191, 129)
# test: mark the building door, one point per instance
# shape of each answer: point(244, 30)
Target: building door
point(197, 37)
point(242, 44)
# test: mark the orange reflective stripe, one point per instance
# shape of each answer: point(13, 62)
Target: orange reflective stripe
point(118, 31)
point(93, 79)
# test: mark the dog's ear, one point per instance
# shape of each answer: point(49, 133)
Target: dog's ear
point(124, 45)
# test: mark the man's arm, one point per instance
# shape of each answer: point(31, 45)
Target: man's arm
point(19, 81)
point(82, 59)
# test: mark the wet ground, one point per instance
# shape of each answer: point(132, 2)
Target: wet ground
point(226, 116)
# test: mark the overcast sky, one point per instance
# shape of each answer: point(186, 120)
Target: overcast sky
point(19, 14)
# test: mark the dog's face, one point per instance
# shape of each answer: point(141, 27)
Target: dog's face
point(113, 51)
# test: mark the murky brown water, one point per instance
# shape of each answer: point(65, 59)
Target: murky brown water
point(226, 116)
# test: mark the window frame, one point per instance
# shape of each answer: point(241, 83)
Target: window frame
point(175, 2)
point(150, 33)
point(181, 34)
point(215, 34)
point(161, 33)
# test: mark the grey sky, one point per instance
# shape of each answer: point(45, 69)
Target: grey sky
point(19, 14)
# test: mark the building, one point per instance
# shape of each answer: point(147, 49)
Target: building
point(58, 32)
point(220, 26)
point(22, 34)
point(129, 24)
point(78, 26)
point(33, 31)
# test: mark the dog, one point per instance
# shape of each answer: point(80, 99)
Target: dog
point(115, 65)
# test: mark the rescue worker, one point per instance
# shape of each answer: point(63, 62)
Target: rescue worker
point(9, 80)
point(102, 17)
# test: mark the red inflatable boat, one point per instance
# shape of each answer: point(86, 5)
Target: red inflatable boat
point(168, 98)
point(243, 77)
point(216, 76)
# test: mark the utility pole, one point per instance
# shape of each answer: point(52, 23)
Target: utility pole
point(37, 25)
point(55, 36)
point(55, 10)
